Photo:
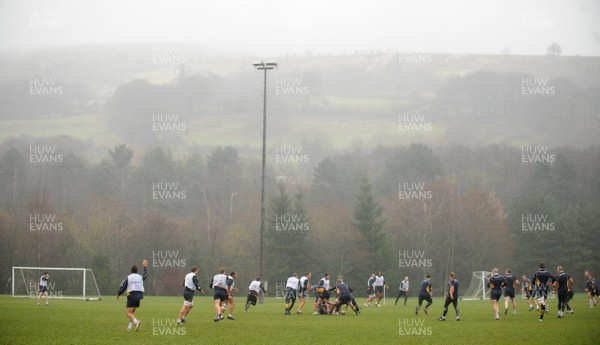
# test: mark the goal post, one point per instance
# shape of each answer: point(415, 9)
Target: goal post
point(478, 287)
point(64, 283)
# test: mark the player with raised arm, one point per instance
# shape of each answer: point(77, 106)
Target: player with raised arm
point(451, 297)
point(512, 283)
point(403, 290)
point(425, 295)
point(562, 283)
point(291, 292)
point(496, 283)
point(43, 288)
point(542, 280)
point(190, 285)
point(133, 285)
point(303, 290)
point(253, 291)
point(221, 293)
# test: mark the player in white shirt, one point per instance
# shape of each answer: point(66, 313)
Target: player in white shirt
point(43, 288)
point(323, 297)
point(190, 285)
point(253, 291)
point(403, 290)
point(378, 286)
point(291, 292)
point(133, 284)
point(370, 290)
point(221, 292)
point(305, 287)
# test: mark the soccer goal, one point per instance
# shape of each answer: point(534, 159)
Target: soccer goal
point(478, 288)
point(64, 283)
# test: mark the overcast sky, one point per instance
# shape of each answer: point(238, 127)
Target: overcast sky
point(275, 27)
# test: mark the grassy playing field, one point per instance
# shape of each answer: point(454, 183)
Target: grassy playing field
point(104, 322)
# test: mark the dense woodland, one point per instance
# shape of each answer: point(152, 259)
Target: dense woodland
point(353, 220)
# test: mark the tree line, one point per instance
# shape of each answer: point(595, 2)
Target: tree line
point(405, 210)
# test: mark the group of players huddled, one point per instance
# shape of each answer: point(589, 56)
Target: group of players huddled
point(536, 291)
point(300, 287)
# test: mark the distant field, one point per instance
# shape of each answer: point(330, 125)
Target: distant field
point(238, 130)
point(104, 322)
point(222, 130)
point(81, 127)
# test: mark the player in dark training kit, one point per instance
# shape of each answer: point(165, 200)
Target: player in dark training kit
point(562, 283)
point(570, 294)
point(541, 280)
point(512, 283)
point(425, 295)
point(322, 306)
point(495, 284)
point(529, 294)
point(591, 287)
point(451, 297)
point(344, 296)
point(596, 289)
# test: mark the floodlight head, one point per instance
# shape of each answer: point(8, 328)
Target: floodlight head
point(262, 65)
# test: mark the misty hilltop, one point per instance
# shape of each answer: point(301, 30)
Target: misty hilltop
point(181, 95)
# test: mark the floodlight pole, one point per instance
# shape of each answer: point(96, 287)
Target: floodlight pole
point(265, 66)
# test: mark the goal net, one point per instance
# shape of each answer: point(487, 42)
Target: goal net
point(63, 283)
point(478, 288)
